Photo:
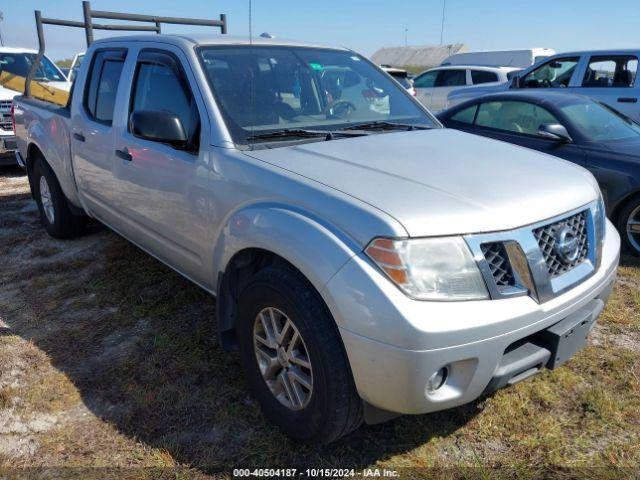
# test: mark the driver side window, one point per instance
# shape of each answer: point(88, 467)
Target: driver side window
point(156, 75)
point(516, 117)
point(556, 73)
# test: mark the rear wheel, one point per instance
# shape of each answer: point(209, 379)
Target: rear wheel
point(55, 214)
point(293, 357)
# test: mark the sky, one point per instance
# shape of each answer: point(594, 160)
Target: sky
point(363, 25)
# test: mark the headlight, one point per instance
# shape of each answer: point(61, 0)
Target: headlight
point(600, 219)
point(430, 268)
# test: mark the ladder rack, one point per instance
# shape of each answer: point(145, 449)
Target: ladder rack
point(89, 26)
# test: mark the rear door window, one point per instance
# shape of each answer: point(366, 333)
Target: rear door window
point(618, 71)
point(467, 115)
point(451, 78)
point(102, 84)
point(482, 76)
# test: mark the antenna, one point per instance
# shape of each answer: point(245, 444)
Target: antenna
point(444, 7)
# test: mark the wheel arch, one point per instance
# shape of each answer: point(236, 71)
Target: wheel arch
point(265, 235)
point(33, 153)
point(622, 203)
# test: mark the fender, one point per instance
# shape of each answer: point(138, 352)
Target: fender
point(52, 139)
point(316, 248)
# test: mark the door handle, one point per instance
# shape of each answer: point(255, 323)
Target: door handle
point(79, 137)
point(627, 100)
point(124, 154)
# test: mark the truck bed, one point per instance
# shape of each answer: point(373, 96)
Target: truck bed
point(47, 126)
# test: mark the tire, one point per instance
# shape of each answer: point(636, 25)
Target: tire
point(630, 212)
point(333, 407)
point(55, 215)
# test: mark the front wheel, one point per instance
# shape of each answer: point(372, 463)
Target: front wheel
point(292, 354)
point(55, 214)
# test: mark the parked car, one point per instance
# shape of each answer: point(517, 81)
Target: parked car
point(401, 76)
point(501, 58)
point(609, 76)
point(366, 261)
point(433, 86)
point(576, 128)
point(17, 61)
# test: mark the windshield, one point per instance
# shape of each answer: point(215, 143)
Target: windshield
point(264, 89)
point(599, 123)
point(20, 63)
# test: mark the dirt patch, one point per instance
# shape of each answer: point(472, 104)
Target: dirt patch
point(110, 359)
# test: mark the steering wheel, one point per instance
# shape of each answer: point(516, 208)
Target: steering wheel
point(341, 108)
point(546, 83)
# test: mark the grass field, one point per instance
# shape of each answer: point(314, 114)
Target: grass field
point(109, 368)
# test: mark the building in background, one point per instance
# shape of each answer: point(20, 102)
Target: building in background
point(416, 58)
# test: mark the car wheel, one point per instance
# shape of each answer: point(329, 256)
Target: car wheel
point(55, 215)
point(294, 359)
point(629, 226)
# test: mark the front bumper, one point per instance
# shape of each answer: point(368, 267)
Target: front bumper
point(394, 344)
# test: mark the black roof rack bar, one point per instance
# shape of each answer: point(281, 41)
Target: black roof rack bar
point(96, 26)
point(89, 26)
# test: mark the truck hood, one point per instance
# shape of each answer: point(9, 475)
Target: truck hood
point(441, 181)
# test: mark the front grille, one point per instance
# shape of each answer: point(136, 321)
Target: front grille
point(5, 115)
point(498, 260)
point(546, 237)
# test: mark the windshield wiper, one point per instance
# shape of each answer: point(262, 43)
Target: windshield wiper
point(303, 133)
point(384, 125)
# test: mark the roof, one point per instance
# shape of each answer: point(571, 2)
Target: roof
point(485, 68)
point(417, 56)
point(609, 51)
point(541, 96)
point(212, 39)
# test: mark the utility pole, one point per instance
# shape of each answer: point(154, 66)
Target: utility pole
point(1, 19)
point(444, 7)
point(406, 30)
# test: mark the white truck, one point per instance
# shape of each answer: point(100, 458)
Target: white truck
point(501, 58)
point(366, 261)
point(17, 61)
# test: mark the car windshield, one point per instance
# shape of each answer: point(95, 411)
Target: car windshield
point(262, 89)
point(599, 123)
point(20, 63)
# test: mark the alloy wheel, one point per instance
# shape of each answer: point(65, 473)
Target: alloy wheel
point(46, 200)
point(633, 228)
point(283, 358)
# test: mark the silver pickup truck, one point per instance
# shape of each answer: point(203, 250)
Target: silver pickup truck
point(367, 262)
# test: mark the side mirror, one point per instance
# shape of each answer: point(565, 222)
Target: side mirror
point(158, 126)
point(554, 131)
point(515, 81)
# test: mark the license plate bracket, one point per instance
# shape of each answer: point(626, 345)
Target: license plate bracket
point(566, 337)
